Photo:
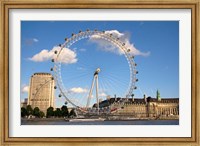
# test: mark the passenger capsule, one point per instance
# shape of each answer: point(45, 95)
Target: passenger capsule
point(73, 34)
point(135, 64)
point(117, 39)
point(55, 52)
point(52, 78)
point(66, 102)
point(123, 44)
point(59, 95)
point(87, 30)
point(52, 60)
point(128, 50)
point(66, 39)
point(132, 57)
point(80, 31)
point(135, 87)
point(95, 30)
point(55, 87)
point(136, 72)
point(136, 80)
point(51, 69)
point(59, 45)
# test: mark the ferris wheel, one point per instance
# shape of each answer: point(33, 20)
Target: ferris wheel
point(97, 79)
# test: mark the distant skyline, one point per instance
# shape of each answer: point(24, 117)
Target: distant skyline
point(155, 45)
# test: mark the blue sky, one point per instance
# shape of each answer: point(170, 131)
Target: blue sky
point(156, 43)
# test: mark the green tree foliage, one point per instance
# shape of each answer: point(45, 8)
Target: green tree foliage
point(72, 113)
point(41, 114)
point(50, 112)
point(58, 112)
point(23, 112)
point(29, 110)
point(36, 112)
point(64, 111)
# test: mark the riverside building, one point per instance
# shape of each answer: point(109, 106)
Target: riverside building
point(144, 107)
point(41, 91)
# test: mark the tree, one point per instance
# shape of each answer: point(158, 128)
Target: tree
point(36, 112)
point(41, 114)
point(72, 113)
point(29, 110)
point(64, 111)
point(58, 112)
point(50, 112)
point(23, 112)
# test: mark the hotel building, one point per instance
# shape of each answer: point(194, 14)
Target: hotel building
point(41, 91)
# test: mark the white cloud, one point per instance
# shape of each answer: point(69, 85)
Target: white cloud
point(35, 40)
point(78, 90)
point(66, 56)
point(31, 41)
point(81, 68)
point(107, 46)
point(25, 89)
point(102, 94)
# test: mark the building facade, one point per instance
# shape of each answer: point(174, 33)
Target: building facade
point(24, 103)
point(147, 107)
point(143, 107)
point(41, 91)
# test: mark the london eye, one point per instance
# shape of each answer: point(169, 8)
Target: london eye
point(102, 81)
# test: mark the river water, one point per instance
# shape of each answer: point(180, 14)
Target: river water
point(134, 122)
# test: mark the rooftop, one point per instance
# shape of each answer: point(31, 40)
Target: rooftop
point(136, 101)
point(41, 73)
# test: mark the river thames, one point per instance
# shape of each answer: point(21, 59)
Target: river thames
point(133, 122)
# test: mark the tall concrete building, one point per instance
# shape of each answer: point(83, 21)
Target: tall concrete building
point(41, 91)
point(24, 103)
